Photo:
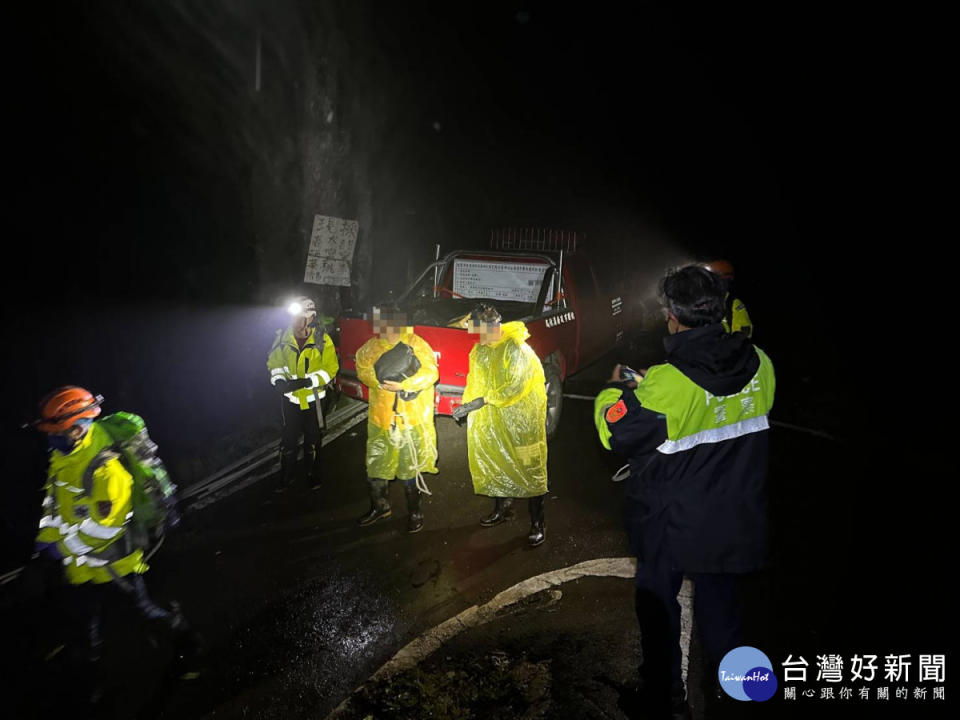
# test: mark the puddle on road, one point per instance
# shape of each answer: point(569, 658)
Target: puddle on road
point(299, 652)
point(426, 570)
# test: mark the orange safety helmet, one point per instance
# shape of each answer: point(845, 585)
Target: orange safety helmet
point(61, 408)
point(723, 268)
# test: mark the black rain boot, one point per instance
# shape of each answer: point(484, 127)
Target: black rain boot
point(187, 655)
point(502, 509)
point(188, 645)
point(288, 466)
point(679, 707)
point(414, 516)
point(538, 532)
point(379, 505)
point(717, 704)
point(312, 461)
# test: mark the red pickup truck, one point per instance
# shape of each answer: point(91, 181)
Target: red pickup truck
point(538, 276)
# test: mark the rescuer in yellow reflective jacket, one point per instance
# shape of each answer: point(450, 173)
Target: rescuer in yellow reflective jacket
point(399, 369)
point(735, 315)
point(87, 513)
point(302, 362)
point(505, 402)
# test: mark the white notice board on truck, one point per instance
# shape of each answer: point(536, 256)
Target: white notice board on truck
point(330, 256)
point(492, 280)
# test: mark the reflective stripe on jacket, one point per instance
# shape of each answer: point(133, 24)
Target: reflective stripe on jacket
point(287, 361)
point(695, 431)
point(89, 529)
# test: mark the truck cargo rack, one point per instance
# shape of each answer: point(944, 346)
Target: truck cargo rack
point(534, 239)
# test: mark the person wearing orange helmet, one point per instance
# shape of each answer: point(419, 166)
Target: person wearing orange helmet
point(88, 516)
point(735, 315)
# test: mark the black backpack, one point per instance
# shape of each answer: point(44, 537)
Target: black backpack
point(396, 365)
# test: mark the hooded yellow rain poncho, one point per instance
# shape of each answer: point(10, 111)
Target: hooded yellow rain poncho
point(401, 441)
point(507, 437)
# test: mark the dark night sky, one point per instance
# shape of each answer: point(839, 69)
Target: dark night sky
point(798, 139)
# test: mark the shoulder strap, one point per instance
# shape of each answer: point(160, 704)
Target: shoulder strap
point(319, 336)
point(108, 453)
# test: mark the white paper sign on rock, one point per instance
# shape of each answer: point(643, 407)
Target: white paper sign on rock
point(330, 256)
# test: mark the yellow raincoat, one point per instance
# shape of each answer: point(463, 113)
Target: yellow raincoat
point(90, 530)
point(507, 437)
point(391, 433)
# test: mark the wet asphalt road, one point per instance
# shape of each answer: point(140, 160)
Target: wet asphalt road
point(298, 605)
point(328, 602)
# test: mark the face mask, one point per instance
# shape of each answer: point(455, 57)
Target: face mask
point(61, 443)
point(65, 444)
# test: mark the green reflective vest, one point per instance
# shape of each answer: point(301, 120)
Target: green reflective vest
point(694, 415)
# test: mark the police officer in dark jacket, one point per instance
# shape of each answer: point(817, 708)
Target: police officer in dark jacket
point(695, 431)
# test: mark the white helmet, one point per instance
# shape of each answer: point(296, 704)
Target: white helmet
point(303, 307)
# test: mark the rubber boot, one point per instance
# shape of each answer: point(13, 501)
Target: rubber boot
point(187, 656)
point(538, 532)
point(312, 461)
point(188, 645)
point(502, 509)
point(288, 462)
point(717, 704)
point(679, 707)
point(414, 516)
point(379, 505)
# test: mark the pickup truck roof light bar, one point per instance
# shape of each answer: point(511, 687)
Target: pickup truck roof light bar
point(534, 239)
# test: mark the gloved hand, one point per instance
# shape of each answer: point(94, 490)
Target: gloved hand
point(461, 412)
point(281, 386)
point(299, 384)
point(49, 550)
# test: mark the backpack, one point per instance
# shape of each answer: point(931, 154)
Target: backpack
point(154, 494)
point(397, 364)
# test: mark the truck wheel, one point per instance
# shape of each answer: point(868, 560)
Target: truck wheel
point(554, 397)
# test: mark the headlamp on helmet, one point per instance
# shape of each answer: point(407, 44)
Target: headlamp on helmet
point(302, 307)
